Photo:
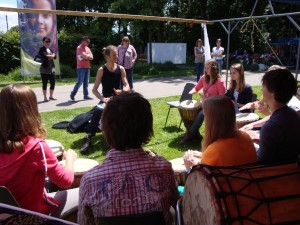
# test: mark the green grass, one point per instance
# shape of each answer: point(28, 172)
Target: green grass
point(165, 142)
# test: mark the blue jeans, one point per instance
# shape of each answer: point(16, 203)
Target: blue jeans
point(220, 64)
point(83, 76)
point(199, 70)
point(129, 76)
point(197, 123)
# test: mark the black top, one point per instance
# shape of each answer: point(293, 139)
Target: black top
point(244, 97)
point(110, 80)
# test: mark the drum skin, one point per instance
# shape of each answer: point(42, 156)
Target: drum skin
point(245, 118)
point(81, 166)
point(249, 194)
point(179, 170)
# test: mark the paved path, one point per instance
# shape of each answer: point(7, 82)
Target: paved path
point(149, 88)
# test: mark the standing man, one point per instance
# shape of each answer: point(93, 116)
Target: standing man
point(126, 57)
point(83, 57)
point(217, 54)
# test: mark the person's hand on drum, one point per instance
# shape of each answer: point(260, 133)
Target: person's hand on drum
point(250, 105)
point(247, 127)
point(190, 159)
point(254, 135)
point(193, 91)
point(70, 156)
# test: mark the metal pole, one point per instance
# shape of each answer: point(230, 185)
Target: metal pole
point(6, 23)
point(228, 47)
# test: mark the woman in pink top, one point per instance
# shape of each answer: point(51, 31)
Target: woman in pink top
point(25, 158)
point(211, 84)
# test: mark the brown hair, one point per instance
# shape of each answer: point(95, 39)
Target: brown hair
point(19, 117)
point(214, 71)
point(108, 49)
point(127, 121)
point(199, 40)
point(219, 117)
point(240, 69)
point(126, 38)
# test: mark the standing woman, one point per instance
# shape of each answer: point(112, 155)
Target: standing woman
point(217, 54)
point(211, 84)
point(239, 92)
point(127, 57)
point(47, 68)
point(199, 58)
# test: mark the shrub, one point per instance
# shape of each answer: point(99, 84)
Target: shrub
point(67, 71)
point(15, 74)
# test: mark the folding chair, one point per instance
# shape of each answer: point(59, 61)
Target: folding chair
point(178, 212)
point(184, 96)
point(6, 197)
point(156, 218)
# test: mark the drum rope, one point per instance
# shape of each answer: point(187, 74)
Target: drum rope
point(213, 172)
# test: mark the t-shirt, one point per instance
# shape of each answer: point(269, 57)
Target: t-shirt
point(81, 62)
point(217, 88)
point(279, 136)
point(230, 151)
point(217, 51)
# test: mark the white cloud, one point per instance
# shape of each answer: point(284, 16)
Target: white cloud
point(12, 18)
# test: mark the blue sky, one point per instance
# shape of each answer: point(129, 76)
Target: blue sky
point(12, 17)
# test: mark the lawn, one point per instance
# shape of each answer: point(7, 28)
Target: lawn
point(165, 142)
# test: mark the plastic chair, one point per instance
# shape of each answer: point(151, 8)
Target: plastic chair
point(156, 218)
point(184, 96)
point(6, 197)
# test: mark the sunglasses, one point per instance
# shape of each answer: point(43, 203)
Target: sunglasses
point(47, 41)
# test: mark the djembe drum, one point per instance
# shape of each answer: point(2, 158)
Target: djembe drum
point(81, 166)
point(245, 118)
point(188, 110)
point(249, 194)
point(179, 170)
point(56, 147)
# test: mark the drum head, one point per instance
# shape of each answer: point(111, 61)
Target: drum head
point(178, 165)
point(82, 165)
point(190, 104)
point(199, 205)
point(246, 117)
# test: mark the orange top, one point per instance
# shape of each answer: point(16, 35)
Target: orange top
point(230, 151)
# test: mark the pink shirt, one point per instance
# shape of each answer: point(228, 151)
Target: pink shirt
point(218, 88)
point(24, 174)
point(126, 56)
point(81, 62)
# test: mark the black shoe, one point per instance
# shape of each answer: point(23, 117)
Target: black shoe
point(87, 98)
point(86, 145)
point(191, 137)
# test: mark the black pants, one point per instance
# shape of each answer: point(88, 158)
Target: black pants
point(45, 78)
point(93, 127)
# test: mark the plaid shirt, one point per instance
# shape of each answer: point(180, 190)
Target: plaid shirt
point(127, 182)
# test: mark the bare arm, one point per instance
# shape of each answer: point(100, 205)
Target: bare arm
point(124, 81)
point(97, 84)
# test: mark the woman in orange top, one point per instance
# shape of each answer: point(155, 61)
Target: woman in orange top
point(223, 144)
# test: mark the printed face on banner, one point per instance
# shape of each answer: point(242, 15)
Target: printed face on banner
point(34, 27)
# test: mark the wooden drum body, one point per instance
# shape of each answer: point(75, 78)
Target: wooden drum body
point(179, 171)
point(81, 166)
point(245, 118)
point(188, 110)
point(250, 194)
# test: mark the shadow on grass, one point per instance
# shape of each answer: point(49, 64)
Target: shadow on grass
point(172, 129)
point(99, 147)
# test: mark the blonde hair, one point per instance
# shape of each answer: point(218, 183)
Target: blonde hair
point(19, 117)
point(219, 118)
point(241, 83)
